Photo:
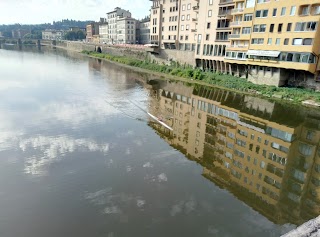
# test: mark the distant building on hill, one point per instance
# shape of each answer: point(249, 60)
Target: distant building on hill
point(49, 34)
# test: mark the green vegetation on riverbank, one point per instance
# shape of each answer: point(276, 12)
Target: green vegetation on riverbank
point(218, 79)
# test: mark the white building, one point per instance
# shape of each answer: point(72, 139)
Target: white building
point(112, 19)
point(52, 34)
point(126, 31)
point(103, 30)
point(144, 31)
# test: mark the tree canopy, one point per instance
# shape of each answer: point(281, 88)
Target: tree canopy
point(75, 35)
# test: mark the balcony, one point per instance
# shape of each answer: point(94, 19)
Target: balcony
point(237, 11)
point(236, 23)
point(195, 8)
point(194, 19)
point(226, 14)
point(234, 36)
point(193, 30)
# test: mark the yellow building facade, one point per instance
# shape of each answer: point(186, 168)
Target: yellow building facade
point(272, 42)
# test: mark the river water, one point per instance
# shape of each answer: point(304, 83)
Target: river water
point(80, 156)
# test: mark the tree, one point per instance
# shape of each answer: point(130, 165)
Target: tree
point(75, 35)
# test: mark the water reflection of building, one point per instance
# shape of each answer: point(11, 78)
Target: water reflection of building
point(265, 153)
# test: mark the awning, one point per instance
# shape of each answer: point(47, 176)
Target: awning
point(265, 53)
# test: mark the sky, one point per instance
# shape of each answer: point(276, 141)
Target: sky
point(47, 11)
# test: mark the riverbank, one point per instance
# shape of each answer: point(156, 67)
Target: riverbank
point(186, 73)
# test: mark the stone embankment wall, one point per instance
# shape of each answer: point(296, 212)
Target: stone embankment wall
point(165, 56)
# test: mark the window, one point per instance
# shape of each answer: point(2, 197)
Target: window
point(262, 13)
point(277, 41)
point(247, 17)
point(207, 36)
point(310, 135)
point(257, 41)
point(305, 149)
point(271, 28)
point(280, 28)
point(209, 13)
point(269, 41)
point(283, 11)
point(208, 25)
point(183, 7)
point(259, 28)
point(297, 41)
point(316, 10)
point(293, 11)
point(274, 12)
point(187, 27)
point(182, 18)
point(286, 41)
point(289, 26)
point(304, 10)
point(182, 27)
point(189, 6)
point(307, 41)
point(246, 30)
point(250, 3)
point(306, 26)
point(188, 17)
point(210, 2)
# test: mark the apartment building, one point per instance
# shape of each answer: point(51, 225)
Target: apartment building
point(213, 31)
point(173, 24)
point(103, 31)
point(112, 20)
point(274, 40)
point(92, 30)
point(126, 30)
point(269, 42)
point(143, 34)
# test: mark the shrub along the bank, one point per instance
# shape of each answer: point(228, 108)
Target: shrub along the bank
point(218, 79)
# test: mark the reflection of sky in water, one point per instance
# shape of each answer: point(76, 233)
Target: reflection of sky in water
point(69, 154)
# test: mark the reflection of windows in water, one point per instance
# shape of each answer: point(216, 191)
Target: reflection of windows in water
point(305, 149)
point(310, 135)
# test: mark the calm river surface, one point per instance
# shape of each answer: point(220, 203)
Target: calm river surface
point(79, 155)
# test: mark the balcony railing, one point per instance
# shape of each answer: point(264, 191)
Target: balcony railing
point(222, 39)
point(237, 10)
point(224, 12)
point(236, 23)
point(193, 30)
point(234, 36)
point(194, 19)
